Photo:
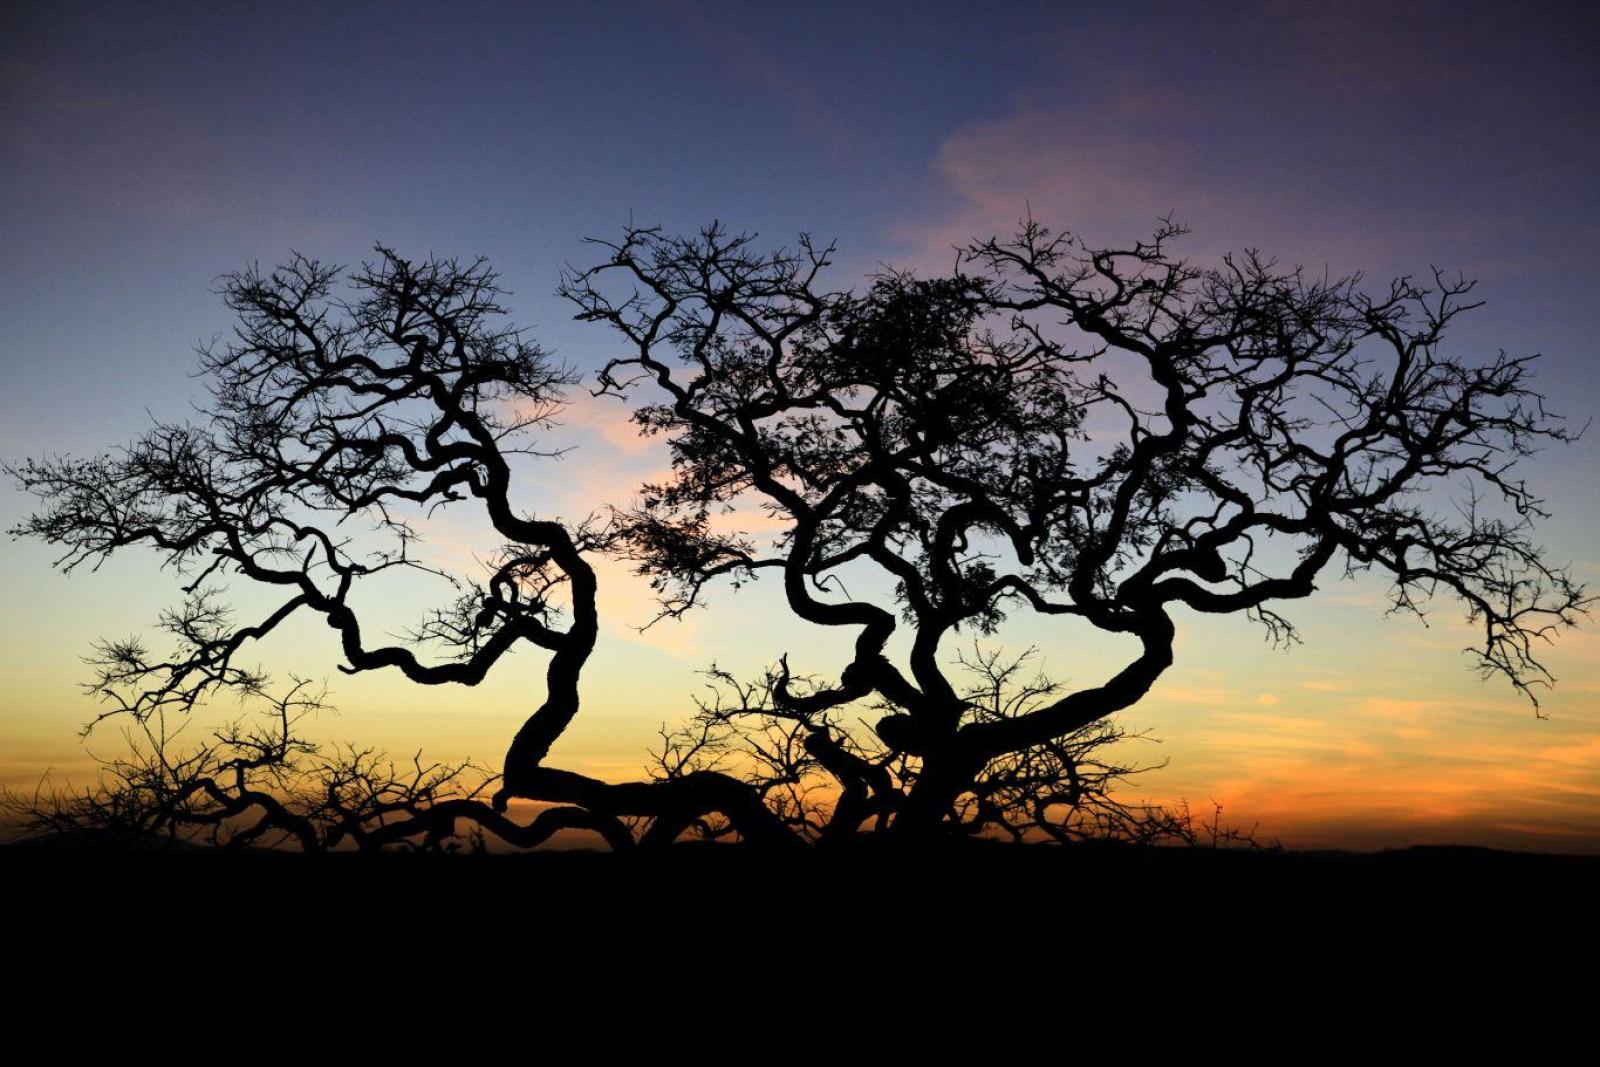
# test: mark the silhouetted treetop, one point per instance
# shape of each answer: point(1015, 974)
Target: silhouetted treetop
point(324, 410)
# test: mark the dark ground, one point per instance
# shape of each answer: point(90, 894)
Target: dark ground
point(1186, 940)
point(1427, 886)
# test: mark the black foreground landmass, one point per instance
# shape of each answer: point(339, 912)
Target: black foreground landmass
point(703, 926)
point(965, 949)
point(990, 877)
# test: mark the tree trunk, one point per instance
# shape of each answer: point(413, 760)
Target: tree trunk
point(945, 775)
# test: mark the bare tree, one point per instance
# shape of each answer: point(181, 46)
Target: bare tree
point(930, 436)
point(335, 418)
point(926, 438)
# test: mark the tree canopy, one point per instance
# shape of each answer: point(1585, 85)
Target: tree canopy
point(1103, 436)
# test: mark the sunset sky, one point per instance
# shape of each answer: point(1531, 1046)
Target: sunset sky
point(146, 149)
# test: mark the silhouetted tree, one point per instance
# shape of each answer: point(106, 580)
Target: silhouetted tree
point(329, 414)
point(926, 437)
point(1255, 427)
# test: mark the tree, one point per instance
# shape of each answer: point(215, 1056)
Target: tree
point(1272, 426)
point(929, 435)
point(328, 412)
